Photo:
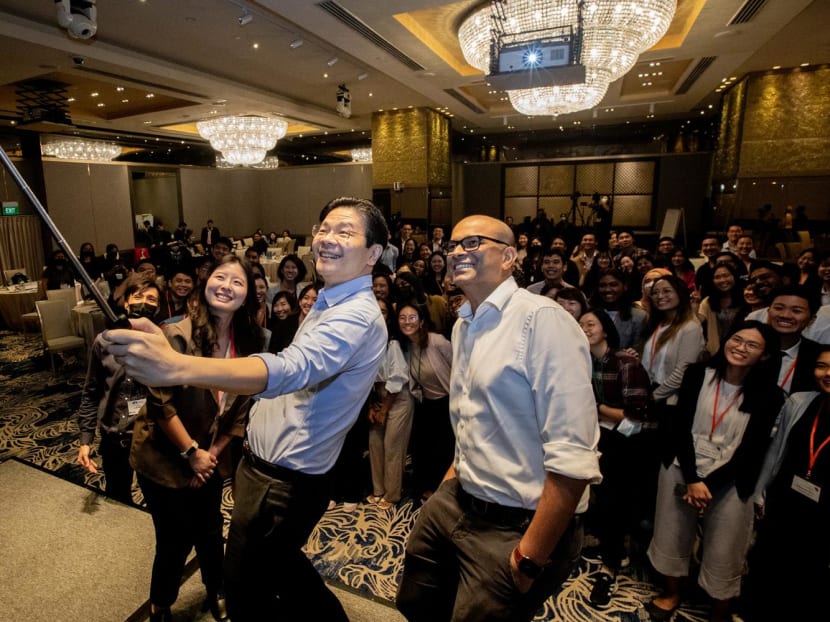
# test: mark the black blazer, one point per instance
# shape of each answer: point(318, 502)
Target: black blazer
point(745, 466)
point(215, 235)
point(803, 378)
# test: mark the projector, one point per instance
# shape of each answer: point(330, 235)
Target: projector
point(536, 63)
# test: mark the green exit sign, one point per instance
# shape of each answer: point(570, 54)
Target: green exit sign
point(11, 208)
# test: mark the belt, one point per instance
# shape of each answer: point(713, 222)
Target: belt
point(272, 470)
point(494, 512)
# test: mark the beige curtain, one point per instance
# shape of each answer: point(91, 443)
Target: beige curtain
point(21, 245)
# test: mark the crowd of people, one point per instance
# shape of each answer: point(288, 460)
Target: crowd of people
point(701, 380)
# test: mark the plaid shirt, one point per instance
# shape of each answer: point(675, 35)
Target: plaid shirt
point(620, 381)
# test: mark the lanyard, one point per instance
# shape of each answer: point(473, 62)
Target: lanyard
point(789, 373)
point(716, 419)
point(815, 452)
point(654, 344)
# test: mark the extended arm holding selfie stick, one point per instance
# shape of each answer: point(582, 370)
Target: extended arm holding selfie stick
point(113, 320)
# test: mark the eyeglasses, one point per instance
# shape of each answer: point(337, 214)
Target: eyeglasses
point(662, 293)
point(342, 235)
point(408, 318)
point(751, 346)
point(471, 243)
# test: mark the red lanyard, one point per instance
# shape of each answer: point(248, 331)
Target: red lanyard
point(815, 452)
point(789, 373)
point(715, 418)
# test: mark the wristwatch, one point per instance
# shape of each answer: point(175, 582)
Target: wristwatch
point(527, 566)
point(190, 450)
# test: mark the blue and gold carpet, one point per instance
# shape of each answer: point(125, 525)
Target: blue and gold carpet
point(362, 550)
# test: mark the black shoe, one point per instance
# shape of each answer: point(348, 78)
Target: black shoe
point(161, 615)
point(658, 613)
point(604, 587)
point(216, 604)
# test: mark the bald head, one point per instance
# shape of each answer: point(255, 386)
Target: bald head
point(482, 257)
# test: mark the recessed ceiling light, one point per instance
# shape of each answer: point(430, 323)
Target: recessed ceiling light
point(804, 64)
point(776, 66)
point(70, 99)
point(255, 46)
point(119, 88)
point(101, 104)
point(296, 43)
point(363, 76)
point(332, 61)
point(325, 75)
point(124, 101)
point(150, 95)
point(94, 94)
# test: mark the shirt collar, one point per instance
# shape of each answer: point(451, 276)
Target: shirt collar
point(498, 298)
point(331, 296)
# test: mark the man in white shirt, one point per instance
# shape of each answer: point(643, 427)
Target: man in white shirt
point(524, 417)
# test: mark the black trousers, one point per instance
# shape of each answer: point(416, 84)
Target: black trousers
point(267, 575)
point(432, 444)
point(115, 456)
point(184, 518)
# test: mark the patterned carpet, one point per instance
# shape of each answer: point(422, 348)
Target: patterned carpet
point(362, 550)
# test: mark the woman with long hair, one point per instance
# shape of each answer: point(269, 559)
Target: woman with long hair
point(429, 358)
point(433, 280)
point(180, 448)
point(612, 296)
point(409, 253)
point(621, 389)
point(602, 262)
point(390, 408)
point(723, 307)
point(307, 298)
point(712, 450)
point(408, 287)
point(263, 312)
point(291, 274)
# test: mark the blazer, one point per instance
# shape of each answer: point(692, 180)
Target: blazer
point(744, 468)
point(803, 378)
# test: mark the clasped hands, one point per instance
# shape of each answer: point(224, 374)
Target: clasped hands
point(203, 463)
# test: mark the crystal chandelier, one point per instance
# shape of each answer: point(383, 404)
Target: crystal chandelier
point(93, 150)
point(612, 33)
point(362, 154)
point(270, 162)
point(242, 140)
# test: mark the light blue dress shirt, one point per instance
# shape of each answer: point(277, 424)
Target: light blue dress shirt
point(318, 384)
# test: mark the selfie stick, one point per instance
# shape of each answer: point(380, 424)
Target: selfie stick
point(113, 320)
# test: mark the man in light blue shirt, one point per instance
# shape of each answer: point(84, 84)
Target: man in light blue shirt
point(310, 395)
point(499, 535)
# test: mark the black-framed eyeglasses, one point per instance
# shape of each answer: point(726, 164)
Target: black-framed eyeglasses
point(471, 243)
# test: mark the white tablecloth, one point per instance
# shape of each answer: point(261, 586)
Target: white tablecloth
point(16, 301)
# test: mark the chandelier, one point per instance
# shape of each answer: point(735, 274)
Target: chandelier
point(270, 162)
point(609, 36)
point(242, 140)
point(93, 150)
point(362, 154)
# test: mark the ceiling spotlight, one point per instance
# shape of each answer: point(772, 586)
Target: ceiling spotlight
point(296, 43)
point(332, 61)
point(363, 76)
point(245, 19)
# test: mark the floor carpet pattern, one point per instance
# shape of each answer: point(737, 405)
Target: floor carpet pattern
point(363, 550)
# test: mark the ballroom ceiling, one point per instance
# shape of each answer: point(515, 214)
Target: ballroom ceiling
point(155, 67)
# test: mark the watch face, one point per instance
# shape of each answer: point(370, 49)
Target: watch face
point(529, 568)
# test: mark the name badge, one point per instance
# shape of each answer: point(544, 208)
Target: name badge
point(806, 488)
point(706, 448)
point(133, 406)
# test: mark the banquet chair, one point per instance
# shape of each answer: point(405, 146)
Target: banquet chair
point(69, 296)
point(56, 328)
point(14, 271)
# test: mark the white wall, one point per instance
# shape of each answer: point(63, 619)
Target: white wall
point(91, 202)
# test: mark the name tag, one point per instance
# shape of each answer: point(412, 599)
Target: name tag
point(133, 406)
point(707, 449)
point(806, 488)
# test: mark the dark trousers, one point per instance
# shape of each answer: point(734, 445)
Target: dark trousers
point(184, 518)
point(267, 575)
point(115, 456)
point(457, 564)
point(350, 474)
point(432, 444)
point(626, 467)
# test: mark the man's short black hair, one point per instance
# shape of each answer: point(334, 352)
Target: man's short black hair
point(798, 290)
point(376, 232)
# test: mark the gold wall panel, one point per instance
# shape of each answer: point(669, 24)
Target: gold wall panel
point(410, 146)
point(521, 181)
point(632, 211)
point(729, 132)
point(786, 129)
point(557, 179)
point(556, 207)
point(592, 178)
point(519, 207)
point(634, 177)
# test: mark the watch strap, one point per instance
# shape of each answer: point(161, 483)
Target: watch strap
point(190, 450)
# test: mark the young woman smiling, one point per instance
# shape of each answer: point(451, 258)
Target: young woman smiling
point(712, 450)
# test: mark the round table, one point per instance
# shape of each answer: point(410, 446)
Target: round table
point(17, 300)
